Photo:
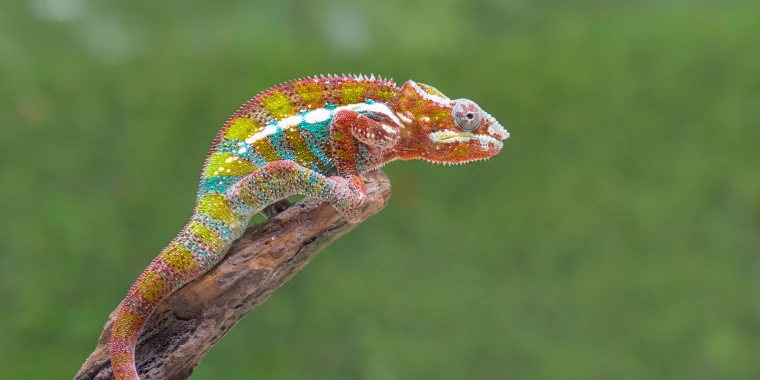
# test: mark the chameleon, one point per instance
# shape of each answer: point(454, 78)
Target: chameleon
point(313, 136)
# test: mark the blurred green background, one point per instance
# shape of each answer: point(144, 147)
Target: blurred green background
point(615, 237)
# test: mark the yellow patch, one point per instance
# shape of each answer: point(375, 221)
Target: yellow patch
point(385, 94)
point(278, 105)
point(215, 206)
point(209, 237)
point(352, 93)
point(432, 90)
point(304, 156)
point(127, 323)
point(461, 152)
point(265, 149)
point(438, 115)
point(227, 164)
point(152, 287)
point(311, 94)
point(242, 128)
point(119, 359)
point(180, 259)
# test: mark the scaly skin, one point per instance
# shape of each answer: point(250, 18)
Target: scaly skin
point(312, 136)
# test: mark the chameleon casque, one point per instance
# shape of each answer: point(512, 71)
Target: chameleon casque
point(312, 136)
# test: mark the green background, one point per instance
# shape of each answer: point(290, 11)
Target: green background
point(615, 237)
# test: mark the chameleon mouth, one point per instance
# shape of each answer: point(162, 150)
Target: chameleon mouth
point(448, 136)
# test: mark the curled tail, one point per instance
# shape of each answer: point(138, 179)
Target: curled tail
point(195, 250)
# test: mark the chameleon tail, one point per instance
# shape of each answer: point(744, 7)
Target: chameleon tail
point(194, 251)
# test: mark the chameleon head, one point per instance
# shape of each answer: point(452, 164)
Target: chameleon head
point(445, 131)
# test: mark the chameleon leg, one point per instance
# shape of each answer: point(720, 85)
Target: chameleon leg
point(281, 179)
point(348, 126)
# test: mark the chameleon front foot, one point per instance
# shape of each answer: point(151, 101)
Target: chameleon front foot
point(347, 197)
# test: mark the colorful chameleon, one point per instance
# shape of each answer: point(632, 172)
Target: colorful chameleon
point(312, 136)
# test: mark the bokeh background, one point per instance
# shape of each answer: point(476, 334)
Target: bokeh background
point(615, 237)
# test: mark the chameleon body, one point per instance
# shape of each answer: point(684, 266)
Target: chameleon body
point(312, 136)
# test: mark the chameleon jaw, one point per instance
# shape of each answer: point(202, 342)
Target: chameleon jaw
point(449, 136)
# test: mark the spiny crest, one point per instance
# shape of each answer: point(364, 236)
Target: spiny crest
point(335, 78)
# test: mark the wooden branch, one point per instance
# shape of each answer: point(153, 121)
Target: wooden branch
point(187, 324)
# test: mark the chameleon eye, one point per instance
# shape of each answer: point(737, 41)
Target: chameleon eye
point(467, 114)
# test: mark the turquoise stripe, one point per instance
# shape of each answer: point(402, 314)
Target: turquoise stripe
point(217, 226)
point(317, 138)
point(201, 253)
point(218, 184)
point(234, 146)
point(280, 144)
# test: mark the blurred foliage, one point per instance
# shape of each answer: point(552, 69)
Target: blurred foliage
point(615, 237)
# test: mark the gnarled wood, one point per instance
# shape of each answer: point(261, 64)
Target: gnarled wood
point(186, 325)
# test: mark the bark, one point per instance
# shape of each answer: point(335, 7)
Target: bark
point(185, 327)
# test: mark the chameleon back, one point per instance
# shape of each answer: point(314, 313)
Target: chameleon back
point(288, 122)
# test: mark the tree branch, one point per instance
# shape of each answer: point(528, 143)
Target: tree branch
point(185, 327)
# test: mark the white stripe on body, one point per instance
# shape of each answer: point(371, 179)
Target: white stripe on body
point(322, 114)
